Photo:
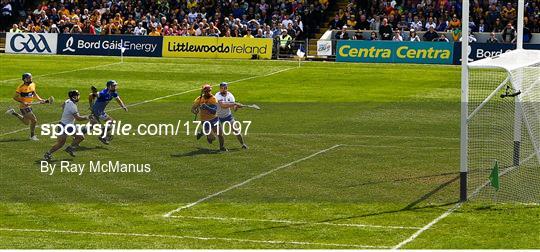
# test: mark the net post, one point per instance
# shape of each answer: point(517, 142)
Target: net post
point(464, 100)
point(520, 15)
point(518, 118)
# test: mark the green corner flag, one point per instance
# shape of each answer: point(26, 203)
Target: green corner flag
point(494, 176)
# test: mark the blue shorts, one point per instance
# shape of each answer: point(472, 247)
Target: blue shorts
point(228, 118)
point(208, 125)
point(100, 115)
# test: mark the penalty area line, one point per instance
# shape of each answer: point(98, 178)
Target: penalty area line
point(74, 232)
point(233, 219)
point(428, 226)
point(169, 214)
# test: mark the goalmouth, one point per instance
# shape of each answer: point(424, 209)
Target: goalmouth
point(501, 120)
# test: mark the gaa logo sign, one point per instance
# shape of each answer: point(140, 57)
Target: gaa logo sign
point(31, 43)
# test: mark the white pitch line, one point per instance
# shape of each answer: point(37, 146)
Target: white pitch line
point(185, 237)
point(429, 225)
point(63, 72)
point(357, 135)
point(291, 222)
point(167, 96)
point(247, 181)
point(396, 146)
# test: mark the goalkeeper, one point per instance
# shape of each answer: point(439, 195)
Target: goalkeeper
point(98, 102)
point(206, 107)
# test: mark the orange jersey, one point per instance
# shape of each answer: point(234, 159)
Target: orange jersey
point(26, 93)
point(204, 115)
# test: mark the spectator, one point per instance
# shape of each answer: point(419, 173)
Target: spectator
point(54, 29)
point(285, 41)
point(351, 21)
point(498, 26)
point(527, 35)
point(373, 36)
point(342, 34)
point(492, 39)
point(397, 36)
point(442, 26)
point(88, 28)
point(358, 35)
point(363, 24)
point(509, 34)
point(455, 23)
point(248, 35)
point(385, 30)
point(442, 38)
point(430, 35)
point(139, 30)
point(15, 29)
point(416, 24)
point(508, 13)
point(154, 32)
point(430, 23)
point(375, 24)
point(413, 36)
point(456, 34)
point(6, 14)
point(482, 26)
point(76, 29)
point(336, 23)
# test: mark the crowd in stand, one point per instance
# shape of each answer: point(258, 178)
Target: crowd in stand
point(223, 18)
point(401, 20)
point(290, 19)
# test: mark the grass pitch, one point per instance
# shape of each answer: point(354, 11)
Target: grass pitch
point(341, 156)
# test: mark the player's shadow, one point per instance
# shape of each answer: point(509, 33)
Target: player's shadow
point(97, 147)
point(12, 140)
point(201, 151)
point(53, 161)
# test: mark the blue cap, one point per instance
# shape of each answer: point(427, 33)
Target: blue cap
point(223, 84)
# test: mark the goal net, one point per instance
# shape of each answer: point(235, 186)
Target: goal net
point(504, 127)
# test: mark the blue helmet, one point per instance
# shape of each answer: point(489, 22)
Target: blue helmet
point(111, 83)
point(26, 75)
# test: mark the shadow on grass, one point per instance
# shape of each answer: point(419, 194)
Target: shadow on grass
point(409, 207)
point(202, 151)
point(53, 161)
point(12, 140)
point(404, 179)
point(84, 148)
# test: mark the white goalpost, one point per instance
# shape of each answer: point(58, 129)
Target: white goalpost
point(500, 121)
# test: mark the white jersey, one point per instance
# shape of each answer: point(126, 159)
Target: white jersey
point(70, 109)
point(228, 98)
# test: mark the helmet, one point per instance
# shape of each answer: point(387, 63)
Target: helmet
point(206, 87)
point(73, 93)
point(26, 75)
point(111, 83)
